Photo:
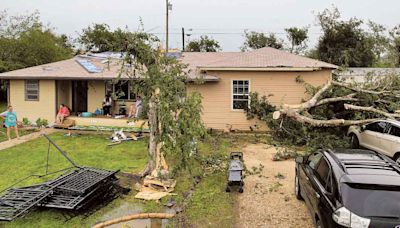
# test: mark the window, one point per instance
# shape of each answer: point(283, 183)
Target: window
point(322, 172)
point(123, 90)
point(314, 159)
point(395, 131)
point(32, 90)
point(377, 127)
point(240, 94)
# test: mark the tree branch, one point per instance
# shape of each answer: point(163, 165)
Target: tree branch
point(371, 109)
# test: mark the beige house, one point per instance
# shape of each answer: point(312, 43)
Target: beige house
point(229, 77)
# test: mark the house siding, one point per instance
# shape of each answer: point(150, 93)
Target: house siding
point(217, 96)
point(96, 94)
point(45, 107)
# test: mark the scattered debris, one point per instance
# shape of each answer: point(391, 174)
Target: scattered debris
point(155, 189)
point(275, 187)
point(284, 154)
point(280, 176)
point(135, 216)
point(77, 189)
point(170, 203)
point(119, 137)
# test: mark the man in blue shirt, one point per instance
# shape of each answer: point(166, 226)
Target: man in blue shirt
point(10, 121)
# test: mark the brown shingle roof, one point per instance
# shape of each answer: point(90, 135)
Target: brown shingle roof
point(261, 58)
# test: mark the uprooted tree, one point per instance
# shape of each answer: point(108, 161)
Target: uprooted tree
point(322, 120)
point(173, 113)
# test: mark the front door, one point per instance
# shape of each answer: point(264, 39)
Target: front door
point(79, 96)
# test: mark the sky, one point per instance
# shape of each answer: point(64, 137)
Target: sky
point(224, 20)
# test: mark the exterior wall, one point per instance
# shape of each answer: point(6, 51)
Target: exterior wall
point(64, 93)
point(45, 107)
point(217, 96)
point(96, 94)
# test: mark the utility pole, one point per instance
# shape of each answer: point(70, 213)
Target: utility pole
point(166, 26)
point(183, 39)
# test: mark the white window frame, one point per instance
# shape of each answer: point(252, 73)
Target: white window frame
point(232, 94)
point(31, 92)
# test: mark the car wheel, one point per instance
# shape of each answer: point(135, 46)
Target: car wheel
point(297, 189)
point(318, 224)
point(227, 189)
point(396, 158)
point(354, 142)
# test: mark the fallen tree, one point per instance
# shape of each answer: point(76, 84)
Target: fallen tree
point(322, 120)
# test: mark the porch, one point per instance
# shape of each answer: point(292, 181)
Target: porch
point(107, 123)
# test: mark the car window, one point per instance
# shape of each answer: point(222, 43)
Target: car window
point(313, 160)
point(395, 131)
point(322, 172)
point(376, 127)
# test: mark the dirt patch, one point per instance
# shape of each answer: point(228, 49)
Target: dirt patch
point(268, 199)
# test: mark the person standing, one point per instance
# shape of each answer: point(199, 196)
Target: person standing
point(10, 118)
point(138, 106)
point(107, 104)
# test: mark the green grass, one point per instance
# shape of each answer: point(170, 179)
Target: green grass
point(21, 132)
point(86, 150)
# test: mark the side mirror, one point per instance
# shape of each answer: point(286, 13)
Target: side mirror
point(300, 160)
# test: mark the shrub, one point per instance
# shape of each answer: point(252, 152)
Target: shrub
point(42, 122)
point(26, 122)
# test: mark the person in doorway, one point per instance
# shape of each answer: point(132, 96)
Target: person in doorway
point(138, 106)
point(10, 121)
point(107, 105)
point(63, 112)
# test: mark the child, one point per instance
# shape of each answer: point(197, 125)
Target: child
point(10, 118)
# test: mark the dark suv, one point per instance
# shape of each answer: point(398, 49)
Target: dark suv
point(349, 188)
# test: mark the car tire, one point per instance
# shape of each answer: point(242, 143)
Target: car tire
point(396, 158)
point(227, 189)
point(240, 190)
point(297, 189)
point(354, 142)
point(318, 224)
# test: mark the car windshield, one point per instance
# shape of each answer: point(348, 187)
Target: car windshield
point(372, 200)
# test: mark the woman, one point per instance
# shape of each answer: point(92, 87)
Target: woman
point(138, 106)
point(10, 118)
point(107, 104)
point(63, 112)
point(132, 111)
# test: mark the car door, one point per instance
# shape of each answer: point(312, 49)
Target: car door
point(320, 197)
point(371, 136)
point(390, 142)
point(305, 173)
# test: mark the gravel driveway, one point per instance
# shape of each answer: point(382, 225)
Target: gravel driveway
point(268, 199)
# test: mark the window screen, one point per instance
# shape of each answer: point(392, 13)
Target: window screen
point(240, 94)
point(32, 90)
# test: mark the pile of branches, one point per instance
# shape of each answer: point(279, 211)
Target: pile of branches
point(322, 121)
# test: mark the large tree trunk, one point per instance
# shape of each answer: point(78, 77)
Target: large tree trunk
point(153, 124)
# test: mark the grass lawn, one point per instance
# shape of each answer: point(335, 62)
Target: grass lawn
point(86, 150)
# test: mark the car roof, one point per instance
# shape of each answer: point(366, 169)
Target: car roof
point(365, 166)
point(394, 122)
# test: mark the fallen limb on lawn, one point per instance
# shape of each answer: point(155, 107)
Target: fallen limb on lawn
point(134, 216)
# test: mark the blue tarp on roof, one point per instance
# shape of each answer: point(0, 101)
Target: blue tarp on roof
point(89, 66)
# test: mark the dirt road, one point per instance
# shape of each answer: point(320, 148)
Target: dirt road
point(268, 199)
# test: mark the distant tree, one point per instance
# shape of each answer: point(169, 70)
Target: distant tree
point(394, 46)
point(255, 40)
point(204, 44)
point(344, 42)
point(25, 42)
point(297, 39)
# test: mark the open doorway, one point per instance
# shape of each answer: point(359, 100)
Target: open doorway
point(79, 96)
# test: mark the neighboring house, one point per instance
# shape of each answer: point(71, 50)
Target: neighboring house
point(229, 78)
point(362, 74)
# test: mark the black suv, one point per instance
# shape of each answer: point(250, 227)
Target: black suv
point(349, 188)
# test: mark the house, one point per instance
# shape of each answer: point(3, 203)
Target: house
point(361, 74)
point(229, 77)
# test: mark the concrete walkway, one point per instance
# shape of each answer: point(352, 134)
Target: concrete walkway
point(25, 138)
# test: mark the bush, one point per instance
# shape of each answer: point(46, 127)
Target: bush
point(42, 122)
point(26, 122)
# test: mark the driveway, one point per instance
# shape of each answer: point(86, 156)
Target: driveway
point(268, 199)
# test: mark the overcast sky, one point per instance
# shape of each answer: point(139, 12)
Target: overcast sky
point(224, 20)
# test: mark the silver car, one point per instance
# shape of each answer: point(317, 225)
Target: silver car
point(381, 136)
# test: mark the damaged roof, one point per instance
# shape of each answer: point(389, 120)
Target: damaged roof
point(107, 65)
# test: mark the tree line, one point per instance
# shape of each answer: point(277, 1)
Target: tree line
point(25, 41)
